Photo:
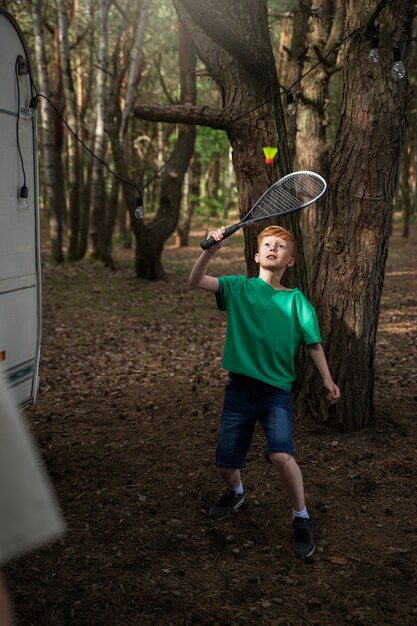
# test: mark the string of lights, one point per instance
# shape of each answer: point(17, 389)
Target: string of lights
point(398, 73)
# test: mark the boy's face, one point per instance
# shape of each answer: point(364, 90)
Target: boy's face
point(275, 253)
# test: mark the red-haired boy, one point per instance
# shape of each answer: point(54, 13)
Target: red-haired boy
point(266, 323)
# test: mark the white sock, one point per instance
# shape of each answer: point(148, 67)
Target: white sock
point(238, 490)
point(303, 513)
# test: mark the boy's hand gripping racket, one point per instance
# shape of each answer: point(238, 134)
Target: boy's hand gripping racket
point(291, 193)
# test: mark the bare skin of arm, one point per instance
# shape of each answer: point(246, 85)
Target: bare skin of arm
point(198, 277)
point(317, 354)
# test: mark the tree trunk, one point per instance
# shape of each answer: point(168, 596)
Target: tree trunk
point(192, 202)
point(133, 74)
point(363, 173)
point(325, 30)
point(406, 196)
point(153, 236)
point(71, 109)
point(229, 186)
point(291, 64)
point(98, 202)
point(111, 211)
point(233, 41)
point(52, 165)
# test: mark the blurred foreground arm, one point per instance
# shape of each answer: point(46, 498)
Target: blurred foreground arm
point(29, 513)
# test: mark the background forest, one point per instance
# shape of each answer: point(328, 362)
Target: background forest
point(101, 63)
point(178, 99)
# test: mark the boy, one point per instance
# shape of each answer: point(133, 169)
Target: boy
point(266, 322)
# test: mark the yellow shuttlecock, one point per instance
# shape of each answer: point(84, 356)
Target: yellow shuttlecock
point(269, 155)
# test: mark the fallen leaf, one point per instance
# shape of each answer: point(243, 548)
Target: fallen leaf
point(393, 550)
point(338, 560)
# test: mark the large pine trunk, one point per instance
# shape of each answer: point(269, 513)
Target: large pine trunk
point(364, 164)
point(325, 30)
point(233, 41)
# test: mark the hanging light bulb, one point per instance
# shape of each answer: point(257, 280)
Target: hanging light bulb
point(22, 203)
point(373, 54)
point(290, 103)
point(398, 69)
point(139, 212)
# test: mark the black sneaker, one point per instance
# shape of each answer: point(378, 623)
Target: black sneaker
point(226, 503)
point(303, 537)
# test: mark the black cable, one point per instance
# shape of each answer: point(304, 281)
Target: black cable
point(232, 121)
point(119, 178)
point(177, 150)
point(320, 61)
point(24, 188)
point(258, 106)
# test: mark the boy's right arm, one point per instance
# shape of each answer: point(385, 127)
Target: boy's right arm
point(198, 276)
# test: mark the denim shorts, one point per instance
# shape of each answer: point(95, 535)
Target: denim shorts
point(247, 400)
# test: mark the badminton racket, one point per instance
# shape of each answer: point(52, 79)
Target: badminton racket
point(291, 193)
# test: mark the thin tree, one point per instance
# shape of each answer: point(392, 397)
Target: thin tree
point(74, 176)
point(54, 197)
point(153, 235)
point(101, 96)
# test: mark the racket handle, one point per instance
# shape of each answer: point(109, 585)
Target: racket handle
point(207, 243)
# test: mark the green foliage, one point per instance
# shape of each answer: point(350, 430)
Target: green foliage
point(209, 143)
point(208, 207)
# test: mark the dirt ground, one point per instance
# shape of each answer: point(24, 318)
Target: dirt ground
point(126, 419)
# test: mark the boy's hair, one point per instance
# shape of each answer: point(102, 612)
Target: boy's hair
point(276, 231)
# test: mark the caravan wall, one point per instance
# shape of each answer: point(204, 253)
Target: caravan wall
point(20, 302)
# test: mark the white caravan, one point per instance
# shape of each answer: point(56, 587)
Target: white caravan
point(20, 294)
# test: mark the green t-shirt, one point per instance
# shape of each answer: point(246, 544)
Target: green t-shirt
point(265, 327)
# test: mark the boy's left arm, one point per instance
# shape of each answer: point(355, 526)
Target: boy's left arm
point(317, 354)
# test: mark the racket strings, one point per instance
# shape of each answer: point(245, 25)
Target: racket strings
point(289, 195)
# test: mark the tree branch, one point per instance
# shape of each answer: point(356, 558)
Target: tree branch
point(221, 34)
point(180, 114)
point(168, 95)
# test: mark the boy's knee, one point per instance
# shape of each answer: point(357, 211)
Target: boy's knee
point(281, 459)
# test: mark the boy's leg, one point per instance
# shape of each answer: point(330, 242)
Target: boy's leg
point(277, 425)
point(303, 526)
point(232, 497)
point(235, 436)
point(291, 477)
point(230, 476)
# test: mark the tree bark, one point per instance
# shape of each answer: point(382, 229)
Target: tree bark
point(133, 73)
point(406, 196)
point(325, 30)
point(233, 42)
point(291, 64)
point(192, 202)
point(98, 201)
point(362, 179)
point(71, 109)
point(52, 165)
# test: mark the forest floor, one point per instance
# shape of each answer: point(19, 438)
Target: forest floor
point(126, 420)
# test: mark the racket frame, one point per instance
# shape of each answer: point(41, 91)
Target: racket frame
point(210, 241)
